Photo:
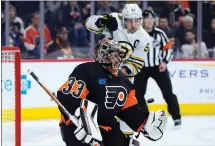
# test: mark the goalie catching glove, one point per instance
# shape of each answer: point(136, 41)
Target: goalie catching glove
point(153, 128)
point(108, 22)
point(155, 125)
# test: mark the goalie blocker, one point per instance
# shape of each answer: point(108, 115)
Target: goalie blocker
point(102, 83)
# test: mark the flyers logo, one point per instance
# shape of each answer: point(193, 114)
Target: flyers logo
point(115, 95)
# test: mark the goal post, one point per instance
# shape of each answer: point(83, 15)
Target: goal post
point(11, 96)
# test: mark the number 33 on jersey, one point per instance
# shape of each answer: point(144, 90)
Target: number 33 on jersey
point(74, 87)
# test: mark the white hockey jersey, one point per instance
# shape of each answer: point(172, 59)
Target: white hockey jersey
point(136, 45)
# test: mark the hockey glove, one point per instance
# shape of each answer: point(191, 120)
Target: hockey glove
point(155, 125)
point(87, 130)
point(108, 22)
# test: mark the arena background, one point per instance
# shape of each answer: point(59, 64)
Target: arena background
point(193, 77)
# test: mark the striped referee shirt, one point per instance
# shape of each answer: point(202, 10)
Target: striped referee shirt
point(161, 51)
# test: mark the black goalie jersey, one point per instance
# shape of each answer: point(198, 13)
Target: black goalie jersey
point(113, 94)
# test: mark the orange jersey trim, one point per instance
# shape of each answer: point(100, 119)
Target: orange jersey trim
point(167, 46)
point(141, 126)
point(62, 120)
point(68, 122)
point(131, 101)
point(106, 128)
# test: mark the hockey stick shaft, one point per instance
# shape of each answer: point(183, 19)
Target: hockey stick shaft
point(71, 117)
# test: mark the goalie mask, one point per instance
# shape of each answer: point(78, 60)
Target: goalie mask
point(109, 54)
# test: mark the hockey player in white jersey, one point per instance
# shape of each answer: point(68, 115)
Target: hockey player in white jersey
point(125, 28)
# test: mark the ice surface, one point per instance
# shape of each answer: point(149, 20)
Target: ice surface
point(194, 131)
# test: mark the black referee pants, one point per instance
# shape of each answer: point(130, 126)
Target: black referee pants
point(164, 83)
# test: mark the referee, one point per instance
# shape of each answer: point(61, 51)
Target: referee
point(156, 67)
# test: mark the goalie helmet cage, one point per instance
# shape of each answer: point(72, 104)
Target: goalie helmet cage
point(11, 62)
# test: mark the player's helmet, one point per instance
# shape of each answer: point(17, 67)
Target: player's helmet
point(109, 54)
point(131, 11)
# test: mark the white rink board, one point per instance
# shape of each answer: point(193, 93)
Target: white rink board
point(193, 82)
point(53, 75)
point(8, 88)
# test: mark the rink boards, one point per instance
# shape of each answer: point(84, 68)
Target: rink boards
point(193, 83)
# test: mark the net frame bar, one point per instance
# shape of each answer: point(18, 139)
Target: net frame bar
point(17, 68)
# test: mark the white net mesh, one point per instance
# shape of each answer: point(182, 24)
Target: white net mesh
point(8, 98)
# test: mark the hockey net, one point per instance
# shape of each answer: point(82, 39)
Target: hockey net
point(11, 92)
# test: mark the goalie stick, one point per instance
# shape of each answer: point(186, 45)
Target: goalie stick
point(71, 117)
point(53, 97)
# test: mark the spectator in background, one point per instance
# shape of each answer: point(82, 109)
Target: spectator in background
point(16, 29)
point(73, 20)
point(187, 25)
point(25, 9)
point(209, 10)
point(16, 38)
point(15, 22)
point(61, 48)
point(32, 36)
point(164, 24)
point(174, 11)
point(190, 48)
point(174, 44)
point(54, 14)
point(185, 6)
point(86, 6)
point(104, 8)
point(209, 38)
point(3, 37)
